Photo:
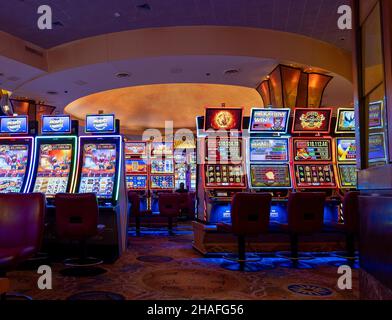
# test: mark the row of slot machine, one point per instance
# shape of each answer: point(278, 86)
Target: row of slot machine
point(260, 153)
point(57, 160)
point(153, 167)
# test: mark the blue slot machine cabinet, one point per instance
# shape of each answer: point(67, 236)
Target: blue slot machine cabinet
point(16, 154)
point(54, 161)
point(268, 157)
point(100, 170)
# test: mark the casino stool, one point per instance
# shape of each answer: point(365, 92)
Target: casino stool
point(250, 216)
point(77, 220)
point(21, 233)
point(350, 227)
point(186, 204)
point(169, 208)
point(305, 211)
point(134, 200)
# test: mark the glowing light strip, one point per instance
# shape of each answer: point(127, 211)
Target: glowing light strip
point(27, 173)
point(32, 166)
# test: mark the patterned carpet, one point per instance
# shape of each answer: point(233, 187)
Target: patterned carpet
point(159, 267)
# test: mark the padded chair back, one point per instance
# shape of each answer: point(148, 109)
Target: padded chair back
point(134, 200)
point(76, 215)
point(22, 221)
point(250, 213)
point(169, 205)
point(306, 212)
point(350, 212)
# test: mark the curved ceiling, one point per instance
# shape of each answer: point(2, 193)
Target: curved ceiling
point(75, 20)
point(148, 107)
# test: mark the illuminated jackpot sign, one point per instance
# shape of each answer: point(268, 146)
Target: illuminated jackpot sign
point(56, 124)
point(269, 120)
point(312, 120)
point(14, 125)
point(223, 119)
point(100, 123)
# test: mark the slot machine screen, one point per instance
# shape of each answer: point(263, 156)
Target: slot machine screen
point(223, 149)
point(377, 147)
point(376, 115)
point(54, 167)
point(13, 167)
point(223, 119)
point(14, 125)
point(161, 149)
point(136, 182)
point(317, 175)
point(346, 149)
point(135, 166)
point(229, 176)
point(270, 176)
point(345, 121)
point(269, 120)
point(98, 169)
point(162, 166)
point(312, 120)
point(312, 150)
point(268, 149)
point(135, 148)
point(162, 182)
point(348, 175)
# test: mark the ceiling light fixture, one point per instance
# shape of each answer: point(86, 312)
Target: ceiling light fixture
point(144, 6)
point(122, 75)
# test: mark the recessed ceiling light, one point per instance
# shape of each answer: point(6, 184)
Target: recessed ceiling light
point(52, 93)
point(176, 70)
point(232, 71)
point(117, 14)
point(58, 24)
point(122, 75)
point(144, 6)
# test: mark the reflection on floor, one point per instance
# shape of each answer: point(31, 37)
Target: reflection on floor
point(157, 266)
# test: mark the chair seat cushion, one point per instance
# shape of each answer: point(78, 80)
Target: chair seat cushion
point(224, 227)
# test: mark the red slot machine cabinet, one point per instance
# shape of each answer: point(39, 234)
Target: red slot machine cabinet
point(185, 162)
point(136, 171)
point(222, 171)
point(312, 156)
point(268, 157)
point(161, 171)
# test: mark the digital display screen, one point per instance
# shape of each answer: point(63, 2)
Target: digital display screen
point(98, 169)
point(348, 175)
point(136, 182)
point(269, 120)
point(135, 166)
point(160, 149)
point(14, 125)
point(223, 119)
point(312, 120)
point(13, 166)
point(162, 182)
point(312, 150)
point(56, 124)
point(223, 149)
point(165, 166)
point(314, 175)
point(377, 147)
point(265, 149)
point(375, 115)
point(270, 176)
point(135, 148)
point(345, 121)
point(54, 167)
point(224, 176)
point(100, 123)
point(346, 149)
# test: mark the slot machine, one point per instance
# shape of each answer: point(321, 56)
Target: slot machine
point(100, 170)
point(345, 150)
point(312, 161)
point(55, 157)
point(161, 171)
point(185, 163)
point(377, 140)
point(136, 171)
point(268, 158)
point(221, 169)
point(16, 154)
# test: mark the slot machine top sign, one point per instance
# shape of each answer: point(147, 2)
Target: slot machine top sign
point(223, 119)
point(136, 148)
point(269, 120)
point(14, 125)
point(100, 123)
point(345, 121)
point(56, 124)
point(312, 120)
